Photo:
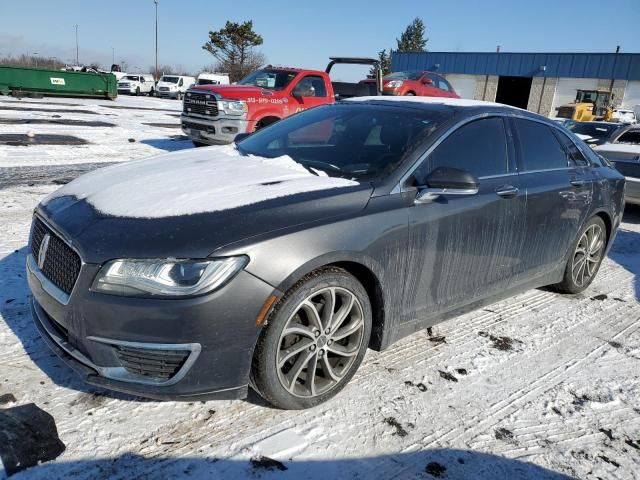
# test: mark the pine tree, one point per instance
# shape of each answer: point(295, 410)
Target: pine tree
point(233, 47)
point(413, 39)
point(385, 63)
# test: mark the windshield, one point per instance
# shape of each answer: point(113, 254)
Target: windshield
point(363, 142)
point(595, 130)
point(170, 79)
point(403, 76)
point(271, 79)
point(131, 77)
point(206, 81)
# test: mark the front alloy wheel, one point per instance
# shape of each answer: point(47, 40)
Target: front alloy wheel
point(315, 340)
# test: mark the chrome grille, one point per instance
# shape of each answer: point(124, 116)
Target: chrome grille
point(151, 363)
point(200, 103)
point(61, 263)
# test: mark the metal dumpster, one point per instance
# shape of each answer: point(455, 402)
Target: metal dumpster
point(17, 80)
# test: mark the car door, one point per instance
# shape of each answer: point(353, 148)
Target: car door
point(464, 248)
point(559, 194)
point(310, 91)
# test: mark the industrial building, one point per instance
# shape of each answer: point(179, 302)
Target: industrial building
point(539, 82)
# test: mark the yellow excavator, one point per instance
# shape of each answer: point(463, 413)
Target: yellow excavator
point(589, 105)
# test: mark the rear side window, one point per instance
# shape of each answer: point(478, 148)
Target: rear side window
point(539, 147)
point(479, 147)
point(573, 152)
point(632, 137)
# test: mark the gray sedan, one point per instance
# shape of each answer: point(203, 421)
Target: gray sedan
point(277, 264)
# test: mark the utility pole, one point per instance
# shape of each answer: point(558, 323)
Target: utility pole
point(156, 72)
point(77, 61)
point(113, 55)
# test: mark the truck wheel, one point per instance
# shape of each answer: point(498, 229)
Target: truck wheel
point(179, 96)
point(152, 92)
point(410, 94)
point(199, 144)
point(137, 91)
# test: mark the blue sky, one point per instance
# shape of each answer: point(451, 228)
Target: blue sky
point(305, 33)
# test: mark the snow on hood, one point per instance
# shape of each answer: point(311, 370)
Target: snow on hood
point(193, 181)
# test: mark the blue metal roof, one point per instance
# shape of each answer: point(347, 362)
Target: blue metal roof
point(625, 66)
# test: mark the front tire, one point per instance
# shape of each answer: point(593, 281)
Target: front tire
point(586, 258)
point(137, 91)
point(314, 341)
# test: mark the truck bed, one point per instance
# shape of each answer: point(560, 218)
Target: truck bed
point(347, 89)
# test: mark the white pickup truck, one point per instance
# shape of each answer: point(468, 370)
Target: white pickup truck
point(136, 84)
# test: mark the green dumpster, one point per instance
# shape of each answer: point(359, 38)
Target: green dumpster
point(19, 80)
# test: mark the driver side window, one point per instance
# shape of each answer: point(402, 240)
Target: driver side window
point(478, 147)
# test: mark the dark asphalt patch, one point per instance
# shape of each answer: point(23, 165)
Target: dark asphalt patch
point(500, 343)
point(56, 174)
point(608, 433)
point(7, 398)
point(503, 434)
point(123, 107)
point(439, 340)
point(614, 344)
point(447, 376)
point(609, 461)
point(23, 140)
point(265, 463)
point(28, 436)
point(633, 444)
point(54, 121)
point(163, 125)
point(54, 110)
point(600, 297)
point(462, 371)
point(400, 430)
point(435, 469)
point(420, 386)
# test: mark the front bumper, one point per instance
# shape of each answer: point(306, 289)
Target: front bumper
point(632, 190)
point(129, 91)
point(220, 130)
point(167, 93)
point(217, 330)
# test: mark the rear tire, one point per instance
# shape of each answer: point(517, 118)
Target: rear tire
point(586, 257)
point(137, 91)
point(306, 354)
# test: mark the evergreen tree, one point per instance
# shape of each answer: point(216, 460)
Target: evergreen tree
point(413, 39)
point(233, 47)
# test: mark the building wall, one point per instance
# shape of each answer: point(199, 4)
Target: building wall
point(486, 88)
point(541, 96)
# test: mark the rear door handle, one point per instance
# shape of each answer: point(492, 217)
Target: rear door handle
point(507, 191)
point(578, 183)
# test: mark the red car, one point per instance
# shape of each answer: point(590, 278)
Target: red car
point(423, 84)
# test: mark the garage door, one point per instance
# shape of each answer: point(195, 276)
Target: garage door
point(566, 90)
point(631, 98)
point(464, 85)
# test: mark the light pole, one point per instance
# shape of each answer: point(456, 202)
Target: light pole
point(77, 61)
point(156, 72)
point(113, 55)
point(35, 56)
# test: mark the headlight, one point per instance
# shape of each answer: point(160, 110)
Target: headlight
point(166, 277)
point(233, 107)
point(394, 84)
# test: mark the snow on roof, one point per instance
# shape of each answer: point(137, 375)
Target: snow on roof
point(193, 181)
point(618, 147)
point(454, 102)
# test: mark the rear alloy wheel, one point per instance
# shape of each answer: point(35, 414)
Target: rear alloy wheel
point(315, 341)
point(587, 256)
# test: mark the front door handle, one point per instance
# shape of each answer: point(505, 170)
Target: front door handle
point(507, 191)
point(578, 183)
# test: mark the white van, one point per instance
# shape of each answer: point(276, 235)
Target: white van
point(137, 83)
point(206, 78)
point(174, 86)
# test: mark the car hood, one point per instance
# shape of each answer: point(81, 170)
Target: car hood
point(188, 204)
point(239, 92)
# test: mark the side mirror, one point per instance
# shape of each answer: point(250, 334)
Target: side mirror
point(427, 81)
point(446, 181)
point(241, 136)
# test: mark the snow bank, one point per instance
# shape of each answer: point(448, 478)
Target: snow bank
point(193, 181)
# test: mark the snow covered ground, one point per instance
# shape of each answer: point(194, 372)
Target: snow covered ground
point(538, 386)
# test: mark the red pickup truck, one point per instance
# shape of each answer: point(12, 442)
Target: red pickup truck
point(216, 114)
